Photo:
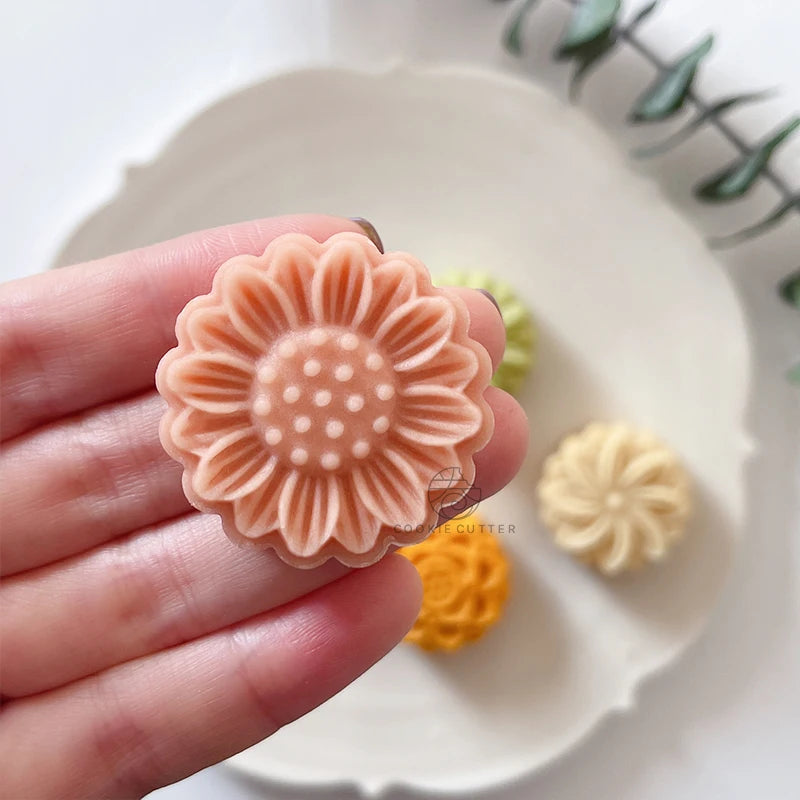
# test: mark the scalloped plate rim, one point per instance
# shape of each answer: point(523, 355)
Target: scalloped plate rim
point(627, 698)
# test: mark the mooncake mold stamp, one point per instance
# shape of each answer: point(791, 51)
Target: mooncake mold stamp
point(465, 579)
point(615, 496)
point(314, 393)
point(520, 353)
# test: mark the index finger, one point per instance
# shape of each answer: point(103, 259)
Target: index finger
point(76, 337)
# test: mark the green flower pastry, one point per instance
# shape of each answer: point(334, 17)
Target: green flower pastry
point(520, 330)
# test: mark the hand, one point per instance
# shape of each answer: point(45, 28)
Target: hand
point(138, 644)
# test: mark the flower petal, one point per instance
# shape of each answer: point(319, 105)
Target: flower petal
point(259, 308)
point(654, 536)
point(232, 467)
point(308, 509)
point(563, 502)
point(645, 467)
point(416, 331)
point(575, 468)
point(427, 462)
point(391, 490)
point(392, 285)
point(356, 528)
point(619, 554)
point(454, 366)
point(663, 499)
point(195, 431)
point(341, 291)
point(256, 513)
point(217, 382)
point(582, 540)
point(611, 456)
point(210, 329)
point(437, 415)
point(293, 268)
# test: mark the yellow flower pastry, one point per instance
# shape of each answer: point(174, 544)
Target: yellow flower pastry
point(520, 331)
point(465, 584)
point(615, 497)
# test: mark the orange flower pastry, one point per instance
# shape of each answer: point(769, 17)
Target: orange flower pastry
point(314, 393)
point(465, 584)
point(615, 496)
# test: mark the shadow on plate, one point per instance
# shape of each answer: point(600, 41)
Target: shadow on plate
point(668, 595)
point(492, 672)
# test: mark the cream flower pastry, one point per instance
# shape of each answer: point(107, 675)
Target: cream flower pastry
point(315, 392)
point(614, 496)
point(520, 330)
point(465, 584)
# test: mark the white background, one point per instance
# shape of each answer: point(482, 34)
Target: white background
point(90, 86)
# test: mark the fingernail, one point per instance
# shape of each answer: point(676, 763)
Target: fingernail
point(369, 231)
point(494, 302)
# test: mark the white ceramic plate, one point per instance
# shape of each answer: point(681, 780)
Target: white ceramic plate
point(470, 168)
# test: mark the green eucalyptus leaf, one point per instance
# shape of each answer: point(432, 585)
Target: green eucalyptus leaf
point(706, 115)
point(512, 36)
point(641, 15)
point(737, 178)
point(668, 93)
point(590, 20)
point(587, 56)
point(790, 289)
point(770, 221)
point(794, 374)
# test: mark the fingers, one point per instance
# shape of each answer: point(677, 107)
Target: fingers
point(171, 584)
point(75, 484)
point(154, 721)
point(485, 322)
point(162, 587)
point(71, 486)
point(76, 337)
point(501, 459)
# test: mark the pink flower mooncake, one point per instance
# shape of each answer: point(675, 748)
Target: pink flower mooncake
point(316, 392)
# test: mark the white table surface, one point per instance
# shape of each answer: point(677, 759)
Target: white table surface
point(89, 85)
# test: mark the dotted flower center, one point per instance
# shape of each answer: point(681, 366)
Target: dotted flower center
point(323, 399)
